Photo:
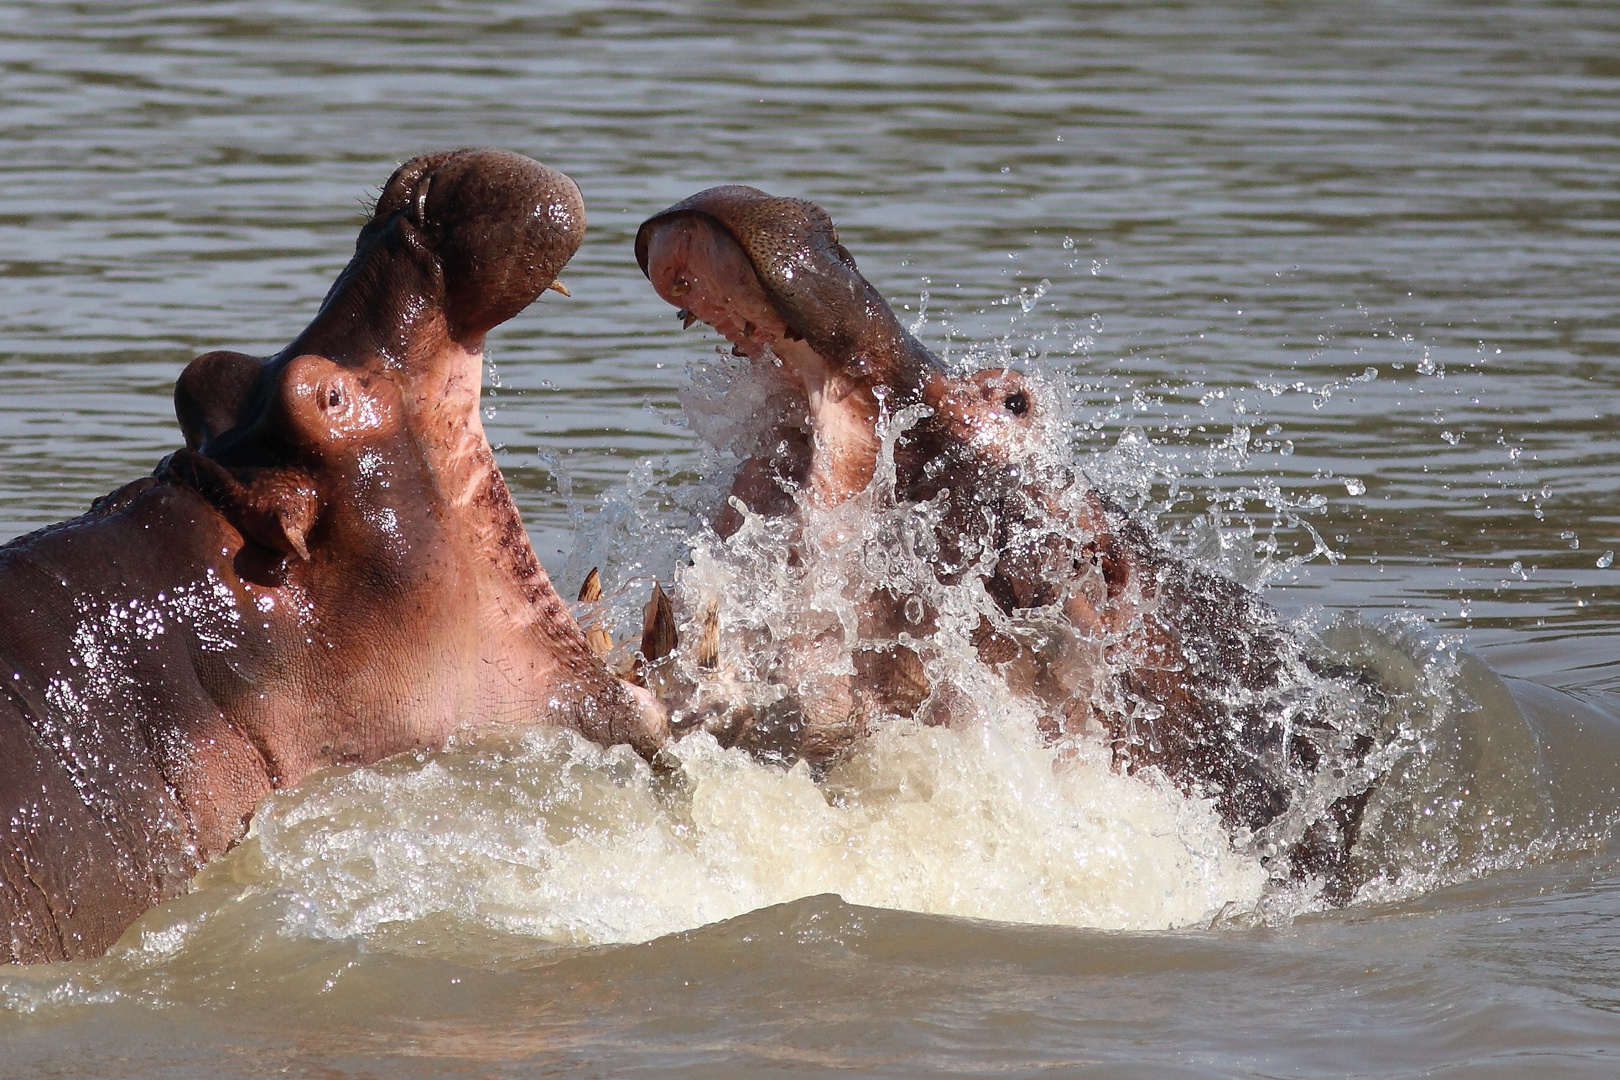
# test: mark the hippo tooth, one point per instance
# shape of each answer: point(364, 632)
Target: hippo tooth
point(658, 640)
point(600, 641)
point(708, 645)
point(591, 591)
point(557, 286)
point(687, 318)
point(658, 634)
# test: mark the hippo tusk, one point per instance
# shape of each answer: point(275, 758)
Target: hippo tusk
point(591, 591)
point(658, 635)
point(600, 641)
point(708, 644)
point(557, 286)
point(295, 534)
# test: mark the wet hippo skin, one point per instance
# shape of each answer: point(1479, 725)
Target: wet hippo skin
point(1178, 668)
point(330, 571)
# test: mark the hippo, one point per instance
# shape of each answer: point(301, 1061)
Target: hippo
point(330, 571)
point(1178, 668)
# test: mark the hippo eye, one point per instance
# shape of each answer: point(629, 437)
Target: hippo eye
point(1017, 402)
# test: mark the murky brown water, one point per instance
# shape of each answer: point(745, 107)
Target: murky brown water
point(1239, 211)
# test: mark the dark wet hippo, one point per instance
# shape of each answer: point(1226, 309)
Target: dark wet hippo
point(1178, 667)
point(331, 571)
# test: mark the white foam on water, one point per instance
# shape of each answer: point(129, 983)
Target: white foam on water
point(549, 836)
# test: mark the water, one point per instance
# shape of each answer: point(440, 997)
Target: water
point(1238, 210)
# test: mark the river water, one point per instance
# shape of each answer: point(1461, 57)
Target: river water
point(1333, 282)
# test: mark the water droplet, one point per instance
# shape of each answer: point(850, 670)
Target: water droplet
point(1605, 560)
point(1354, 486)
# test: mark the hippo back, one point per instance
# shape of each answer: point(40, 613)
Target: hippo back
point(103, 622)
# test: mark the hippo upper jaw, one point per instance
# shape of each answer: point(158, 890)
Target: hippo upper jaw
point(698, 267)
point(770, 275)
point(466, 238)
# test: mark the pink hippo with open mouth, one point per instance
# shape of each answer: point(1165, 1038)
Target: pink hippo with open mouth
point(330, 571)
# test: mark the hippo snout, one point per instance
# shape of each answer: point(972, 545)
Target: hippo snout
point(500, 224)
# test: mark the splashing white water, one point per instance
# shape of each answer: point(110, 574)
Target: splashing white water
point(549, 836)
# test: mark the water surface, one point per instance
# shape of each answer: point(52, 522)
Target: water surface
point(1238, 212)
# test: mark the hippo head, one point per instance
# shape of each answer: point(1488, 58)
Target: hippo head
point(355, 468)
point(770, 275)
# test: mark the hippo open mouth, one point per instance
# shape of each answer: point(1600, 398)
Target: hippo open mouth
point(331, 570)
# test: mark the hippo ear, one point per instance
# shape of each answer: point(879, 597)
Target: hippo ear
point(277, 508)
point(212, 395)
point(325, 403)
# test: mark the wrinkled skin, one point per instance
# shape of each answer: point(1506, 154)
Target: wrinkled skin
point(331, 571)
point(1180, 643)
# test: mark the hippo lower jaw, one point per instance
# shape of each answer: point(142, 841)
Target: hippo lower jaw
point(516, 598)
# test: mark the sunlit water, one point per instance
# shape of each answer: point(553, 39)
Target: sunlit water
point(1328, 288)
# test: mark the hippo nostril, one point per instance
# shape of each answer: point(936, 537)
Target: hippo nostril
point(334, 398)
point(1017, 403)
